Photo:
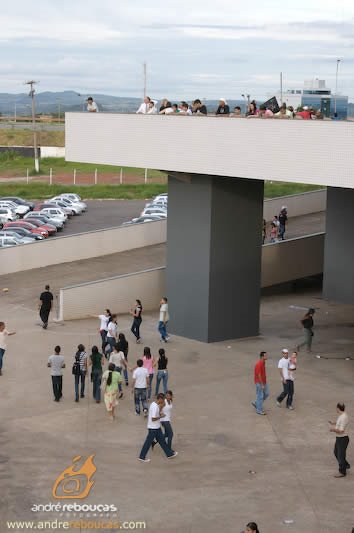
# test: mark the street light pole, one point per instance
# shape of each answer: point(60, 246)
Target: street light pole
point(335, 94)
point(31, 94)
point(145, 79)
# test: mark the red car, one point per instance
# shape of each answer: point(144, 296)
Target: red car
point(51, 229)
point(31, 227)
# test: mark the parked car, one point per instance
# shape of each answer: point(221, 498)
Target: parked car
point(12, 233)
point(46, 220)
point(7, 214)
point(46, 205)
point(74, 204)
point(39, 224)
point(6, 242)
point(139, 220)
point(26, 233)
point(68, 208)
point(154, 211)
point(74, 197)
point(18, 209)
point(56, 212)
point(31, 227)
point(158, 205)
point(19, 201)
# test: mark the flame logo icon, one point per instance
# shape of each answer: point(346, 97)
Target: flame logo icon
point(75, 482)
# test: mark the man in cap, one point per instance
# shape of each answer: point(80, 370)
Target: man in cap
point(283, 367)
point(223, 108)
point(304, 114)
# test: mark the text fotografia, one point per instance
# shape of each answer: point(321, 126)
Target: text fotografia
point(74, 507)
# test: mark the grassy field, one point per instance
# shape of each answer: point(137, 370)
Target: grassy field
point(43, 190)
point(17, 137)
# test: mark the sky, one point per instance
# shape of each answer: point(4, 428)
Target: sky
point(193, 49)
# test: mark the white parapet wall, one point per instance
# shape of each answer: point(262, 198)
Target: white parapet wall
point(81, 246)
point(52, 151)
point(281, 262)
point(297, 204)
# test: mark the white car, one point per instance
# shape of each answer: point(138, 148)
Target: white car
point(6, 242)
point(159, 205)
point(161, 198)
point(7, 214)
point(75, 206)
point(18, 209)
point(154, 211)
point(54, 212)
point(74, 198)
point(13, 235)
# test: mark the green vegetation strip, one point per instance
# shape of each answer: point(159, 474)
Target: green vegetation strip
point(41, 191)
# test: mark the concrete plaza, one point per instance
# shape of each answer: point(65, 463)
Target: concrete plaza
point(233, 465)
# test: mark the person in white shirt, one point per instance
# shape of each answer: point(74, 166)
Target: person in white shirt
point(152, 108)
point(92, 107)
point(104, 321)
point(119, 361)
point(168, 110)
point(56, 364)
point(156, 413)
point(3, 336)
point(283, 367)
point(144, 107)
point(139, 387)
point(112, 334)
point(166, 420)
point(184, 109)
point(342, 439)
point(163, 319)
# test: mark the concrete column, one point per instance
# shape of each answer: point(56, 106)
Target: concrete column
point(338, 271)
point(214, 233)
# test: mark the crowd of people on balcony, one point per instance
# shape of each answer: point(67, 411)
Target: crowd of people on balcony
point(151, 107)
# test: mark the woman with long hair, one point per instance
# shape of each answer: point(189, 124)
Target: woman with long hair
point(149, 363)
point(118, 359)
point(96, 361)
point(162, 373)
point(136, 312)
point(123, 346)
point(251, 527)
point(79, 371)
point(110, 382)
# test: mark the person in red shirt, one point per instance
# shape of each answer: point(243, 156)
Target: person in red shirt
point(305, 114)
point(260, 380)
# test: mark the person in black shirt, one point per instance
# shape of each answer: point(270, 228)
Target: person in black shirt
point(307, 324)
point(198, 108)
point(136, 312)
point(223, 108)
point(45, 306)
point(123, 346)
point(283, 218)
point(162, 373)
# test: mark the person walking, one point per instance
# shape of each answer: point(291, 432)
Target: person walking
point(110, 385)
point(112, 335)
point(123, 346)
point(283, 367)
point(163, 319)
point(292, 372)
point(45, 306)
point(149, 363)
point(118, 359)
point(340, 428)
point(104, 321)
point(166, 419)
point(136, 312)
point(56, 364)
point(97, 362)
point(162, 373)
point(154, 430)
point(260, 380)
point(307, 324)
point(79, 371)
point(283, 218)
point(139, 387)
point(3, 344)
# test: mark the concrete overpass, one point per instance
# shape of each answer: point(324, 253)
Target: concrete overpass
point(216, 168)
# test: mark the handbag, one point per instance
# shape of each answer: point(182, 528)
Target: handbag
point(76, 370)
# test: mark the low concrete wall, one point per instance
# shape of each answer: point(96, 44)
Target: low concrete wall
point(24, 151)
point(117, 293)
point(52, 151)
point(281, 262)
point(297, 204)
point(81, 246)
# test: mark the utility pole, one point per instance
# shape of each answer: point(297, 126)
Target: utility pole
point(335, 94)
point(145, 78)
point(58, 99)
point(281, 88)
point(31, 94)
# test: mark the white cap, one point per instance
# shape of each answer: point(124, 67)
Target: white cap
point(305, 108)
point(285, 350)
point(222, 100)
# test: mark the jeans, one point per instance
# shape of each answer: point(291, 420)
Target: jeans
point(151, 377)
point(103, 334)
point(2, 353)
point(125, 372)
point(281, 231)
point(155, 434)
point(140, 396)
point(262, 393)
point(161, 375)
point(168, 433)
point(340, 451)
point(57, 382)
point(135, 329)
point(288, 390)
point(111, 341)
point(308, 339)
point(119, 369)
point(96, 381)
point(81, 377)
point(162, 327)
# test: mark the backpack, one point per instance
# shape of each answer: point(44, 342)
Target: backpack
point(76, 370)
